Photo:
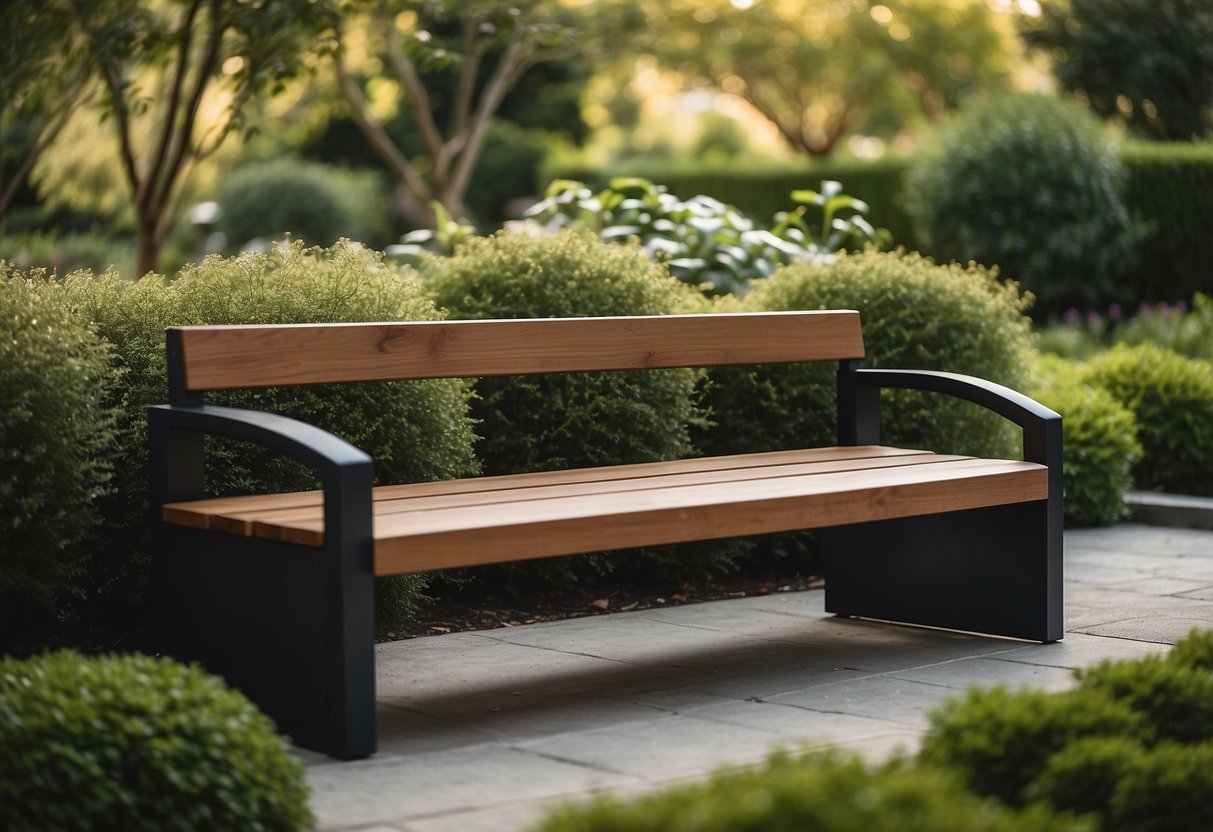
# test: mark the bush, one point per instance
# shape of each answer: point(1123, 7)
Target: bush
point(1028, 183)
point(822, 792)
point(1172, 400)
point(1194, 650)
point(1175, 328)
point(137, 743)
point(1100, 441)
point(66, 253)
point(915, 315)
point(507, 169)
point(311, 201)
point(1174, 698)
point(536, 423)
point(56, 449)
point(414, 430)
point(997, 740)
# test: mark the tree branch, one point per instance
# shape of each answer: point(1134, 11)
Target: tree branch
point(406, 73)
point(510, 67)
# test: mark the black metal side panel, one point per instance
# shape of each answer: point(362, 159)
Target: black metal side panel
point(989, 570)
point(269, 619)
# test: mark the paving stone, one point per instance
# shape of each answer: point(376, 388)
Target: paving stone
point(1203, 594)
point(368, 791)
point(1082, 650)
point(897, 701)
point(983, 672)
point(1164, 629)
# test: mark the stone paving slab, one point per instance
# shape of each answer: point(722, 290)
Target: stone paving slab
point(485, 732)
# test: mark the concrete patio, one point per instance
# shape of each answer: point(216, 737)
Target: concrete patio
point(488, 730)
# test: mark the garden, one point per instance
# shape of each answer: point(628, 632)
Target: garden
point(989, 184)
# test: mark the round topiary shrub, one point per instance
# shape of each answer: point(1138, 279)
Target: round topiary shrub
point(1029, 183)
point(414, 430)
point(916, 315)
point(997, 740)
point(1172, 399)
point(311, 201)
point(1100, 442)
point(821, 792)
point(56, 450)
point(137, 743)
point(535, 423)
point(1174, 698)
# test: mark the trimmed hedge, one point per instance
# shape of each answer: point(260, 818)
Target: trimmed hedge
point(821, 792)
point(57, 432)
point(1172, 400)
point(536, 423)
point(139, 743)
point(915, 315)
point(1100, 442)
point(414, 430)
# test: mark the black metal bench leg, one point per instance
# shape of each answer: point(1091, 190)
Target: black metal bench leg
point(990, 570)
point(277, 623)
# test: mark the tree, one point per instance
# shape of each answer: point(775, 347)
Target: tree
point(820, 69)
point(454, 57)
point(174, 77)
point(1148, 63)
point(42, 83)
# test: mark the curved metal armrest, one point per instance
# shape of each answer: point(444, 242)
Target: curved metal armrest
point(176, 450)
point(859, 414)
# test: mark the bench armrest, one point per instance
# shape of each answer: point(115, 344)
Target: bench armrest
point(176, 458)
point(859, 407)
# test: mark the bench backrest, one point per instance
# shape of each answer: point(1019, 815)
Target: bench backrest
point(203, 358)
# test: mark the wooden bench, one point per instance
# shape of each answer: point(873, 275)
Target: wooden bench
point(275, 591)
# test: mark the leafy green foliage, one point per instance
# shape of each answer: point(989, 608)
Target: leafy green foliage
point(137, 743)
point(915, 315)
point(56, 449)
point(1194, 650)
point(312, 202)
point(705, 242)
point(1174, 698)
point(823, 792)
point(414, 430)
point(1100, 442)
point(998, 739)
point(66, 253)
point(1164, 92)
point(1172, 400)
point(535, 423)
point(1187, 332)
point(1030, 184)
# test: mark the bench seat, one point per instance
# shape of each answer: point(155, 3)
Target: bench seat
point(440, 525)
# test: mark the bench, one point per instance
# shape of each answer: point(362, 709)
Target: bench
point(275, 591)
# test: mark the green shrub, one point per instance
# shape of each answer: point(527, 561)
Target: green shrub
point(997, 740)
point(1028, 183)
point(1100, 441)
point(535, 423)
point(56, 450)
point(1176, 328)
point(136, 743)
point(311, 201)
point(915, 315)
point(1194, 650)
point(507, 168)
point(822, 792)
point(66, 253)
point(1172, 400)
point(703, 241)
point(1174, 698)
point(414, 430)
point(1082, 777)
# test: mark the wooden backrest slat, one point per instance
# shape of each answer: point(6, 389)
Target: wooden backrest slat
point(242, 356)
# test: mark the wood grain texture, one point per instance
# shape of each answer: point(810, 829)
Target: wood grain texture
point(246, 356)
point(430, 526)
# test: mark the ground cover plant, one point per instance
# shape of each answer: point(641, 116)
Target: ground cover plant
point(139, 743)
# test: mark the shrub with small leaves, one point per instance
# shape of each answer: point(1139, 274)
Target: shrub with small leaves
point(56, 450)
point(829, 792)
point(1031, 184)
point(414, 430)
point(998, 739)
point(1174, 698)
point(1100, 442)
point(535, 423)
point(1172, 400)
point(138, 743)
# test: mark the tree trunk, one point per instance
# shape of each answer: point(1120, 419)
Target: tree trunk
point(148, 247)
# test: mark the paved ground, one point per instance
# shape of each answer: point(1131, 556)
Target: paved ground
point(486, 730)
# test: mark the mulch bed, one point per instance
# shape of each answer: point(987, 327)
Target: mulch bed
point(479, 610)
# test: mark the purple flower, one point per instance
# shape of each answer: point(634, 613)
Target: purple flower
point(1181, 308)
point(1093, 318)
point(1071, 316)
point(1115, 312)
